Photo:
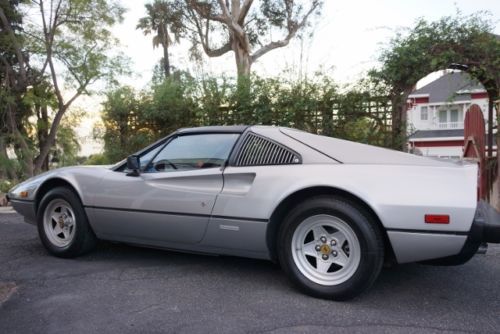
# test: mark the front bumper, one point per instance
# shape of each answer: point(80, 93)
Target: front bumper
point(26, 209)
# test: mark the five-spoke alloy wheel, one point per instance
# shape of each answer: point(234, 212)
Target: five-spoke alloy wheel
point(330, 247)
point(326, 250)
point(62, 224)
point(59, 222)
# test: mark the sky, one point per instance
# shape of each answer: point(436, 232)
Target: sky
point(348, 37)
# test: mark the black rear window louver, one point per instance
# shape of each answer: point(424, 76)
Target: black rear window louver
point(260, 151)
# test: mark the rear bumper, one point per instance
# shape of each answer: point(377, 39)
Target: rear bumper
point(485, 229)
point(486, 225)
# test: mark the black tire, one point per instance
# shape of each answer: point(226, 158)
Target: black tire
point(370, 238)
point(83, 239)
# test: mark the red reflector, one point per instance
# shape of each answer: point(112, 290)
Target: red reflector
point(437, 219)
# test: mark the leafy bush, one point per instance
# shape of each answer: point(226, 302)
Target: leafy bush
point(134, 119)
point(6, 185)
point(98, 159)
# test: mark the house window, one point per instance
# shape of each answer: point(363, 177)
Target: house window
point(454, 116)
point(424, 114)
point(450, 118)
point(443, 116)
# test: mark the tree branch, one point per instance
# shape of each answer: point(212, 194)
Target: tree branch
point(233, 25)
point(220, 51)
point(244, 11)
point(48, 35)
point(225, 10)
point(204, 12)
point(205, 40)
point(271, 46)
point(292, 31)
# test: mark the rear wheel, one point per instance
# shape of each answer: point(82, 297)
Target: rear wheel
point(330, 248)
point(62, 224)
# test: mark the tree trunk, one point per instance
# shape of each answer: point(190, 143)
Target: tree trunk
point(4, 163)
point(242, 58)
point(7, 171)
point(399, 115)
point(51, 139)
point(243, 65)
point(166, 61)
point(43, 129)
point(398, 108)
point(24, 154)
point(243, 85)
point(165, 43)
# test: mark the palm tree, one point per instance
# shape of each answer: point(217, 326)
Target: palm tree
point(164, 20)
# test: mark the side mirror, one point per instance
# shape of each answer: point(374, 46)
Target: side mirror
point(134, 165)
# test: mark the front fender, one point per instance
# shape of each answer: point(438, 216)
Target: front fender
point(84, 180)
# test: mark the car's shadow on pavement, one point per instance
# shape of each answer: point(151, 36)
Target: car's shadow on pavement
point(411, 283)
point(125, 288)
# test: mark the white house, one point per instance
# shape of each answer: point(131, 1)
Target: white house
point(436, 114)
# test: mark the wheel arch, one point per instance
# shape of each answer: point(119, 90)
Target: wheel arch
point(296, 197)
point(52, 183)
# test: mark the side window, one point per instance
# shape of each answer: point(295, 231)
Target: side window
point(146, 158)
point(260, 151)
point(190, 152)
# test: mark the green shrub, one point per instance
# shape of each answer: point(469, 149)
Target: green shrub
point(6, 185)
point(97, 159)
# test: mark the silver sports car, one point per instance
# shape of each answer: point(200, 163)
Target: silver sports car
point(329, 211)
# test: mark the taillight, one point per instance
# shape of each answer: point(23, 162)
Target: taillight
point(437, 219)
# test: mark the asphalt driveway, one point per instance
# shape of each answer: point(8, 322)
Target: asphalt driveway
point(125, 289)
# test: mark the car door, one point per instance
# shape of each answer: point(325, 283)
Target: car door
point(172, 198)
point(254, 182)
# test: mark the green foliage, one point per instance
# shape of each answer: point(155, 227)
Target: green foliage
point(172, 106)
point(432, 46)
point(52, 52)
point(267, 18)
point(165, 20)
point(6, 185)
point(134, 119)
point(11, 168)
point(97, 159)
point(214, 95)
point(217, 27)
point(124, 124)
point(11, 86)
point(81, 40)
point(66, 147)
point(466, 42)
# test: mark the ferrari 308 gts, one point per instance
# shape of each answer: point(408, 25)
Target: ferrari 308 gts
point(329, 211)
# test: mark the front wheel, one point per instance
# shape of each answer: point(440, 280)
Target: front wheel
point(330, 248)
point(62, 224)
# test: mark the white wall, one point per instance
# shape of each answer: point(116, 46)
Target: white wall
point(447, 151)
